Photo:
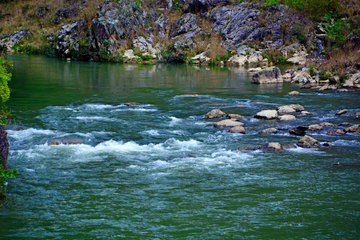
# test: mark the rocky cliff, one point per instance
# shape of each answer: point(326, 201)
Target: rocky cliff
point(176, 30)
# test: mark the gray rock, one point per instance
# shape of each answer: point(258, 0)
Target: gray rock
point(185, 27)
point(215, 113)
point(7, 43)
point(202, 6)
point(267, 114)
point(308, 142)
point(270, 75)
point(285, 109)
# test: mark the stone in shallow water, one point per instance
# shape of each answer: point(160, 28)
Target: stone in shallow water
point(215, 113)
point(237, 129)
point(299, 131)
point(308, 142)
point(269, 147)
point(336, 132)
point(314, 127)
point(268, 131)
point(227, 124)
point(294, 93)
point(267, 114)
point(287, 117)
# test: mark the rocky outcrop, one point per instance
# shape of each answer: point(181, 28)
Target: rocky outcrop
point(237, 24)
point(308, 142)
point(185, 27)
point(7, 43)
point(4, 148)
point(270, 75)
point(66, 41)
point(202, 6)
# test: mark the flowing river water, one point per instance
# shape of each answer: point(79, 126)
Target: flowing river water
point(161, 170)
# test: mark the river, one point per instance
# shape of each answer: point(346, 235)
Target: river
point(160, 170)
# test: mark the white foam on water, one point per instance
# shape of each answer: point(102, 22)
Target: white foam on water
point(151, 132)
point(95, 118)
point(346, 143)
point(94, 106)
point(29, 170)
point(90, 134)
point(136, 110)
point(174, 121)
point(30, 132)
point(300, 150)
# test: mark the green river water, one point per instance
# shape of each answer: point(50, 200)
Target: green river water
point(161, 170)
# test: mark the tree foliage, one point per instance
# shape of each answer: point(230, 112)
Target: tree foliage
point(5, 77)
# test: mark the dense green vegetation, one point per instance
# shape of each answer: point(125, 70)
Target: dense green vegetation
point(5, 77)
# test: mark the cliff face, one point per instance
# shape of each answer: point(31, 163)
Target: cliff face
point(169, 30)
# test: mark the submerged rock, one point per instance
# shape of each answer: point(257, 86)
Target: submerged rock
point(341, 112)
point(235, 116)
point(269, 147)
point(308, 142)
point(65, 142)
point(336, 132)
point(352, 129)
point(294, 93)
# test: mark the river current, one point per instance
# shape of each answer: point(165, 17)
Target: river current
point(160, 170)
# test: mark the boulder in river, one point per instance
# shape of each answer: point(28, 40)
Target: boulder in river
point(314, 127)
point(294, 93)
point(299, 131)
point(352, 129)
point(215, 113)
point(268, 131)
point(285, 109)
point(327, 125)
point(341, 112)
point(336, 132)
point(287, 117)
point(271, 75)
point(227, 124)
point(267, 114)
point(308, 142)
point(237, 129)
